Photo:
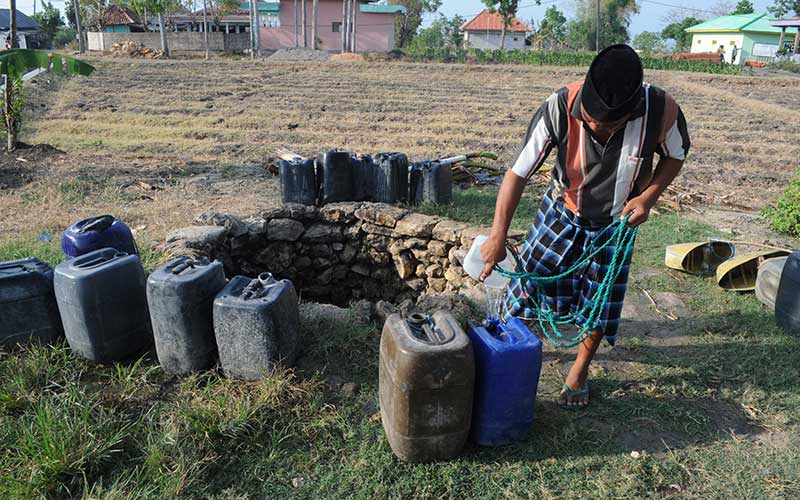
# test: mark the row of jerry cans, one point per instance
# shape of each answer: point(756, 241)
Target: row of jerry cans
point(109, 312)
point(337, 176)
point(439, 385)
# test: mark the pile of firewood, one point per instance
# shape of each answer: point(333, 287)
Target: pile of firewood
point(129, 48)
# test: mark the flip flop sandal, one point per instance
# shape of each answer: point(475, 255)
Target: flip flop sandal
point(574, 394)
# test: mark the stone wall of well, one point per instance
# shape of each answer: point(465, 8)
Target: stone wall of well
point(341, 252)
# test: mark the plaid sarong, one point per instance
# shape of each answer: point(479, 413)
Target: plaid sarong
point(557, 239)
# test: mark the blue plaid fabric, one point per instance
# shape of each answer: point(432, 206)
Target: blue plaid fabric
point(557, 239)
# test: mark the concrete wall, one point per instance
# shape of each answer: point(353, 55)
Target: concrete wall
point(181, 41)
point(491, 40)
point(710, 42)
point(374, 32)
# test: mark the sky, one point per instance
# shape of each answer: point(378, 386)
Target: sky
point(650, 18)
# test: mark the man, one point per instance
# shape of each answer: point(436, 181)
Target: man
point(607, 130)
point(734, 53)
point(721, 52)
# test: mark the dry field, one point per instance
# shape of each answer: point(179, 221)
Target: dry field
point(203, 133)
point(700, 398)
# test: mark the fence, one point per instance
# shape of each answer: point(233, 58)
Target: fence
point(181, 41)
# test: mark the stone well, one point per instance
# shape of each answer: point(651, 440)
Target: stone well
point(341, 252)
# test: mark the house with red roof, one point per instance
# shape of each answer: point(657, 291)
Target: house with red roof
point(485, 31)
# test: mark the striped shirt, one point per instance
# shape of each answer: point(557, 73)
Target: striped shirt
point(592, 179)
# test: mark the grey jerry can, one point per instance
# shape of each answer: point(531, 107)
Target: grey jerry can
point(28, 309)
point(768, 280)
point(181, 300)
point(426, 382)
point(103, 303)
point(335, 176)
point(431, 182)
point(363, 177)
point(298, 181)
point(257, 325)
point(391, 177)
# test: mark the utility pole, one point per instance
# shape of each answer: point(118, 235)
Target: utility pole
point(345, 21)
point(305, 23)
point(205, 26)
point(81, 47)
point(354, 6)
point(314, 12)
point(296, 27)
point(12, 23)
point(597, 34)
point(252, 30)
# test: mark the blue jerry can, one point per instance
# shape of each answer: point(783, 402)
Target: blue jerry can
point(94, 233)
point(508, 361)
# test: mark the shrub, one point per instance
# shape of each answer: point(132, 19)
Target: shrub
point(555, 58)
point(64, 37)
point(784, 217)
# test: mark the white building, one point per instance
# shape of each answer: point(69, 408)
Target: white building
point(485, 30)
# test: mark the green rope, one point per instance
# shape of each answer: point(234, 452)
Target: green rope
point(623, 238)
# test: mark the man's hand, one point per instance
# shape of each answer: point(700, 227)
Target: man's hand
point(640, 206)
point(492, 252)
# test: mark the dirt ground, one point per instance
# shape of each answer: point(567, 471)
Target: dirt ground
point(157, 142)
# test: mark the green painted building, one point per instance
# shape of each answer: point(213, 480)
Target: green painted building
point(752, 34)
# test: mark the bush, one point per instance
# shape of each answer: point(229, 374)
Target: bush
point(784, 217)
point(786, 65)
point(555, 58)
point(64, 37)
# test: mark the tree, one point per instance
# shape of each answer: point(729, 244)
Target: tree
point(781, 8)
point(49, 19)
point(405, 27)
point(676, 31)
point(442, 33)
point(552, 30)
point(649, 42)
point(743, 7)
point(160, 8)
point(615, 18)
point(508, 12)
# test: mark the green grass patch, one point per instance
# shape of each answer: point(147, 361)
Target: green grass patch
point(556, 58)
point(713, 414)
point(476, 207)
point(784, 217)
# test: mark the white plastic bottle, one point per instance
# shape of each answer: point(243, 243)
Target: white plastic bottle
point(474, 264)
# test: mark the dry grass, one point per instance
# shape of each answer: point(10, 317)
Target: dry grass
point(205, 131)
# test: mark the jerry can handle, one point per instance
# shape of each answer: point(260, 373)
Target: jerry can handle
point(100, 223)
point(95, 261)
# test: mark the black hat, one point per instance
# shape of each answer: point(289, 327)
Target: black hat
point(613, 85)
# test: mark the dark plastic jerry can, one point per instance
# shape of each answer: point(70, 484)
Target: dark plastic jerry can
point(335, 176)
point(298, 181)
point(363, 177)
point(103, 303)
point(28, 309)
point(787, 302)
point(431, 182)
point(508, 361)
point(426, 383)
point(391, 178)
point(94, 233)
point(257, 325)
point(181, 300)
